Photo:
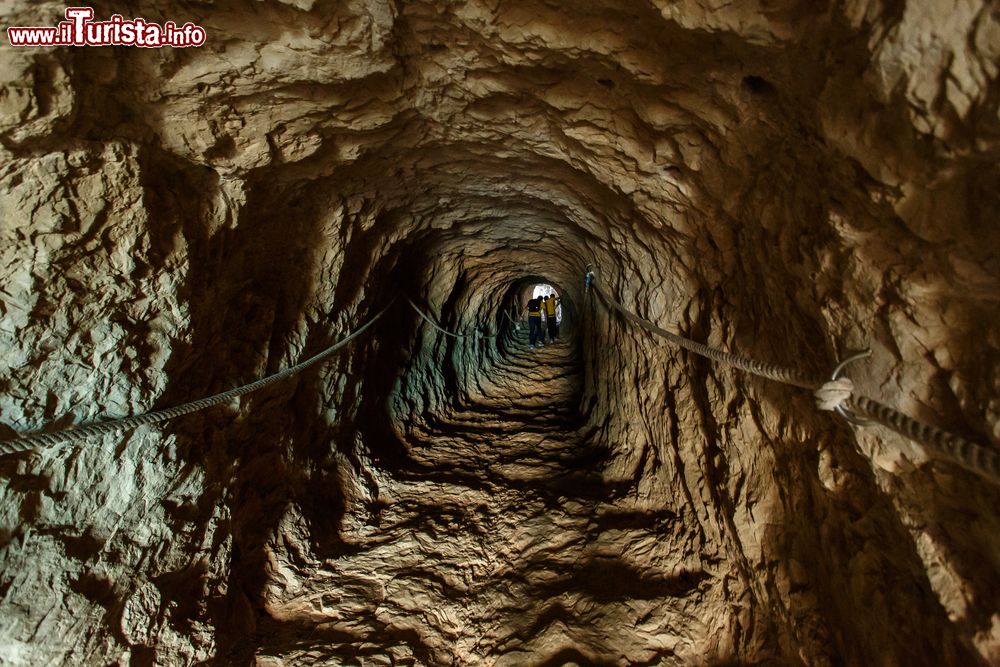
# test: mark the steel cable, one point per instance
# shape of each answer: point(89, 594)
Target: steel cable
point(434, 324)
point(35, 440)
point(516, 323)
point(765, 370)
point(970, 455)
point(975, 457)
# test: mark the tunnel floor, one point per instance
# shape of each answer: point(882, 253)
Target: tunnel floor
point(522, 428)
point(490, 537)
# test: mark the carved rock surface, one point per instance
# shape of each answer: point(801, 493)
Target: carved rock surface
point(791, 180)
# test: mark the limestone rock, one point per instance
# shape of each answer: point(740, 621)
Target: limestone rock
point(790, 180)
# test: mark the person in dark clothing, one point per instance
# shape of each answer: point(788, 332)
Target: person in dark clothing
point(535, 331)
point(551, 303)
point(541, 333)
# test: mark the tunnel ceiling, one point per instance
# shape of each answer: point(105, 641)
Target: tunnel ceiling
point(789, 179)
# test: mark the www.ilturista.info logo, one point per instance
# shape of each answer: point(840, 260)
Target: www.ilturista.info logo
point(80, 30)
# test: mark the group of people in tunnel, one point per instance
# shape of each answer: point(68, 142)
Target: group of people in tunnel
point(542, 309)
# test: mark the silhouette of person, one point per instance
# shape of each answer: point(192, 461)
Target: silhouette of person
point(535, 331)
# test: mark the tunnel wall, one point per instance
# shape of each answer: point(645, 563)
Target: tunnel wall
point(792, 180)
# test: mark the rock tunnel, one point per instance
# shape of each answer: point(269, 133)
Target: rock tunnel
point(790, 179)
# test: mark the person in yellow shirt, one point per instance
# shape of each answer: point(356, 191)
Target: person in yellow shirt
point(551, 303)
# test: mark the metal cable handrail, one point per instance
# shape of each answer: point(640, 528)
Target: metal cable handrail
point(35, 440)
point(437, 326)
point(837, 395)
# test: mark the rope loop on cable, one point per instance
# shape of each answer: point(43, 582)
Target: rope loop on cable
point(517, 325)
point(836, 395)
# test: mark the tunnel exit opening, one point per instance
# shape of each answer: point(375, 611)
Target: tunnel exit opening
point(556, 326)
point(514, 303)
point(547, 290)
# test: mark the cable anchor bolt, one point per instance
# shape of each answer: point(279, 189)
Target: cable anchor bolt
point(833, 395)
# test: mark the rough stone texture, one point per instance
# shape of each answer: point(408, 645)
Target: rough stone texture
point(790, 179)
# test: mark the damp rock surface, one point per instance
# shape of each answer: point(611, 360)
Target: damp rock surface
point(789, 180)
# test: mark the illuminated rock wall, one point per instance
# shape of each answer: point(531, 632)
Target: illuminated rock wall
point(792, 180)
